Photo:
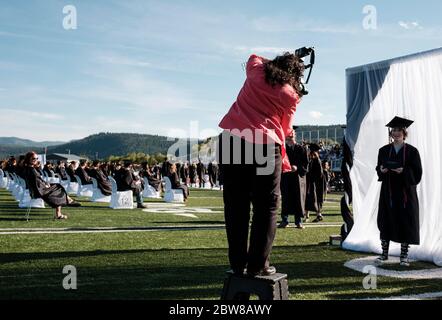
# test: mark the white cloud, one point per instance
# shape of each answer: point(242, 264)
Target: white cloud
point(267, 24)
point(118, 60)
point(20, 114)
point(316, 114)
point(410, 25)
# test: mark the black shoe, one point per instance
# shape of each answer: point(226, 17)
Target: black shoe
point(141, 206)
point(283, 225)
point(318, 219)
point(267, 271)
point(74, 204)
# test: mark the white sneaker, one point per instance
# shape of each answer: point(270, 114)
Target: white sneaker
point(405, 263)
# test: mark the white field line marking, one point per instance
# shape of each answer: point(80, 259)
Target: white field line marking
point(13, 231)
point(188, 215)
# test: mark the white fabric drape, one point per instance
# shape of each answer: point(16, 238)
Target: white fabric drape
point(412, 89)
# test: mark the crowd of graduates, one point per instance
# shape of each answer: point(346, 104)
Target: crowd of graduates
point(127, 175)
point(306, 195)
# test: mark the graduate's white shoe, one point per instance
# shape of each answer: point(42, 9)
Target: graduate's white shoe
point(405, 263)
point(381, 260)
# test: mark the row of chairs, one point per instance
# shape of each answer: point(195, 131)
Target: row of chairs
point(17, 186)
point(117, 200)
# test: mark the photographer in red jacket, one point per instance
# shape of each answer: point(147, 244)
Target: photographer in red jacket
point(252, 155)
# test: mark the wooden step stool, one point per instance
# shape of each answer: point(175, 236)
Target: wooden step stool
point(240, 287)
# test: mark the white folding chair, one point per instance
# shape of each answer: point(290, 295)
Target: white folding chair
point(120, 199)
point(3, 180)
point(172, 195)
point(84, 190)
point(72, 186)
point(149, 191)
point(97, 195)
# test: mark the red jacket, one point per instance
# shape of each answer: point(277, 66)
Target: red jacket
point(267, 111)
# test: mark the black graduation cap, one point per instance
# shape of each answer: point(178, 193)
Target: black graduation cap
point(295, 128)
point(314, 147)
point(399, 122)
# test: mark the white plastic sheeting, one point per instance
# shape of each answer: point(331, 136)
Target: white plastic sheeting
point(409, 87)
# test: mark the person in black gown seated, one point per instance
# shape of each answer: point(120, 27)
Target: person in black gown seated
point(175, 181)
point(53, 194)
point(103, 182)
point(146, 172)
point(70, 170)
point(82, 173)
point(126, 180)
point(61, 170)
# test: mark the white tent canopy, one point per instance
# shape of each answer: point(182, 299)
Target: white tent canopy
point(409, 87)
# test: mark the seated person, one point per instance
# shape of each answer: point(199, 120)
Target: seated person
point(61, 170)
point(38, 167)
point(126, 180)
point(49, 170)
point(71, 171)
point(175, 181)
point(103, 182)
point(82, 174)
point(19, 169)
point(145, 172)
point(53, 194)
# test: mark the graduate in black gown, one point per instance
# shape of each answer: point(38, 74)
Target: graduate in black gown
point(126, 180)
point(70, 170)
point(192, 173)
point(201, 172)
point(400, 170)
point(212, 171)
point(82, 173)
point(315, 184)
point(53, 194)
point(103, 182)
point(175, 181)
point(61, 170)
point(146, 172)
point(293, 184)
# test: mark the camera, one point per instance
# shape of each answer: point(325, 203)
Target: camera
point(302, 53)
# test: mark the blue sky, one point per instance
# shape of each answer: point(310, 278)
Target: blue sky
point(156, 66)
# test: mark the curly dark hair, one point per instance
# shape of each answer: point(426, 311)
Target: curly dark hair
point(285, 69)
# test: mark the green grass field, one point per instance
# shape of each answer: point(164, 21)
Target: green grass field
point(142, 259)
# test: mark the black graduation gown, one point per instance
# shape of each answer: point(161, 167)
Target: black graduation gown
point(200, 170)
point(54, 194)
point(212, 171)
point(151, 179)
point(293, 184)
point(103, 182)
point(61, 171)
point(175, 181)
point(315, 187)
point(126, 181)
point(83, 175)
point(71, 174)
point(192, 173)
point(398, 215)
